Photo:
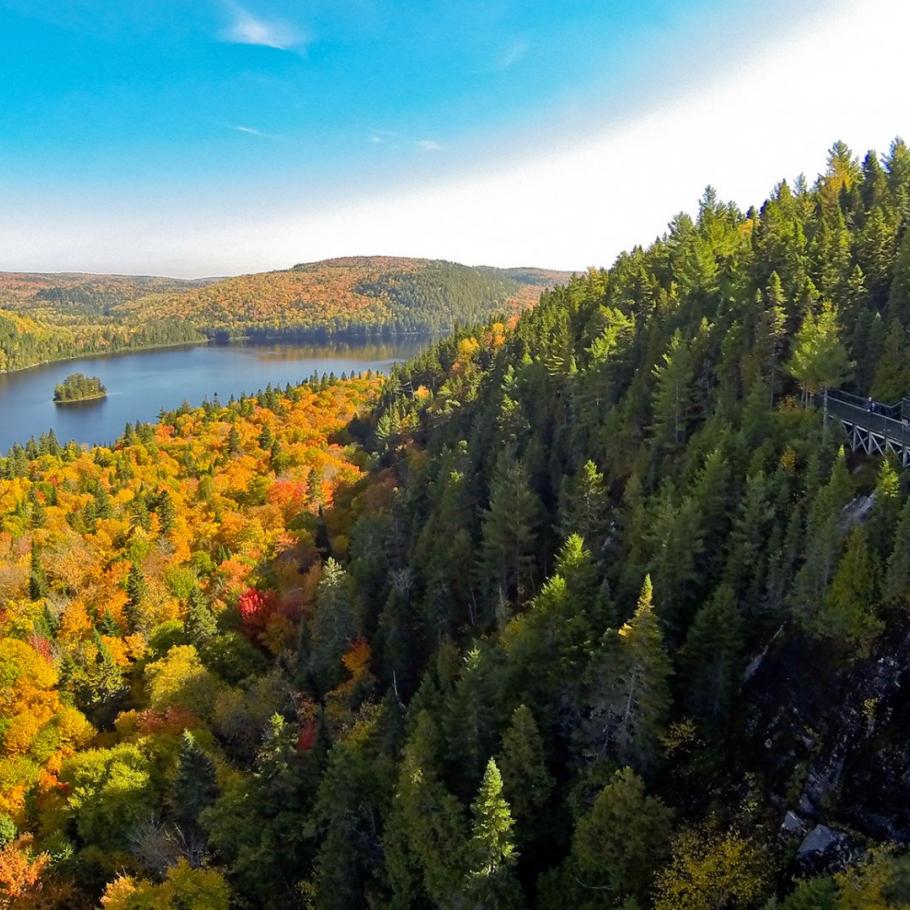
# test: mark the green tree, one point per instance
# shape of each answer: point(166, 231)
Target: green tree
point(37, 579)
point(673, 393)
point(711, 658)
point(510, 533)
point(819, 360)
point(630, 694)
point(848, 614)
point(892, 372)
point(897, 577)
point(622, 839)
point(527, 781)
point(492, 854)
point(195, 786)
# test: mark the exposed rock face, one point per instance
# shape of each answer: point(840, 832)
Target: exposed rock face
point(834, 745)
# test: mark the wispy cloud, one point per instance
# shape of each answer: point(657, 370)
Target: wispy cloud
point(513, 53)
point(246, 28)
point(252, 131)
point(429, 145)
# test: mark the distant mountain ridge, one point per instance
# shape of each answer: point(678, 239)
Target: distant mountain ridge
point(48, 317)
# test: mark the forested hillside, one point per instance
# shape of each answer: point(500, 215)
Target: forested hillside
point(585, 608)
point(46, 317)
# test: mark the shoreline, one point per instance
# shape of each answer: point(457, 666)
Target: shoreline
point(59, 401)
point(206, 341)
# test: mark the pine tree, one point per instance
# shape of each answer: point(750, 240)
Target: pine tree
point(432, 825)
point(195, 786)
point(892, 372)
point(897, 578)
point(711, 658)
point(332, 628)
point(848, 614)
point(887, 509)
point(234, 443)
point(622, 840)
point(509, 533)
point(166, 512)
point(819, 360)
point(899, 296)
point(630, 694)
point(136, 591)
point(527, 782)
point(37, 579)
point(200, 621)
point(585, 507)
point(491, 883)
point(673, 394)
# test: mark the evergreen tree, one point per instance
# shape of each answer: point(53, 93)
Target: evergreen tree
point(892, 372)
point(527, 782)
point(136, 591)
point(622, 840)
point(166, 512)
point(897, 578)
point(848, 614)
point(630, 694)
point(195, 786)
point(509, 533)
point(37, 579)
point(585, 507)
point(333, 627)
point(711, 659)
point(819, 360)
point(673, 394)
point(491, 850)
point(200, 621)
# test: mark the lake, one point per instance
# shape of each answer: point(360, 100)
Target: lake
point(141, 383)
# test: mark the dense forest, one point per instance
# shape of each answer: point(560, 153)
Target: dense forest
point(45, 318)
point(586, 607)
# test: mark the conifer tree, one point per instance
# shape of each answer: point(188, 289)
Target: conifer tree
point(622, 840)
point(899, 296)
point(886, 511)
point(332, 627)
point(136, 591)
point(585, 507)
point(527, 782)
point(630, 694)
point(509, 533)
point(711, 658)
point(673, 393)
point(848, 614)
point(37, 579)
point(200, 622)
point(195, 786)
point(491, 883)
point(892, 372)
point(897, 577)
point(819, 360)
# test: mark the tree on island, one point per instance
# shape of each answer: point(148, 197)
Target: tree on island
point(79, 387)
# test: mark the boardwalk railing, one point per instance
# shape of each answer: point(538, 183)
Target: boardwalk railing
point(871, 426)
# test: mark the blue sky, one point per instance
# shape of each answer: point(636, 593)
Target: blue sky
point(138, 136)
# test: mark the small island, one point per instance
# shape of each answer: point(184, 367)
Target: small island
point(79, 387)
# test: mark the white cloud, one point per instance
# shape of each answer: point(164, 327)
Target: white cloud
point(429, 145)
point(252, 131)
point(245, 28)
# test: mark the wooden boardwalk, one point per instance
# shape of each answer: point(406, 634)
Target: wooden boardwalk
point(870, 426)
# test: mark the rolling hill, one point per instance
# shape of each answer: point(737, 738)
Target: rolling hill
point(69, 315)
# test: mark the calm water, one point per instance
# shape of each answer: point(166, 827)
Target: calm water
point(140, 384)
